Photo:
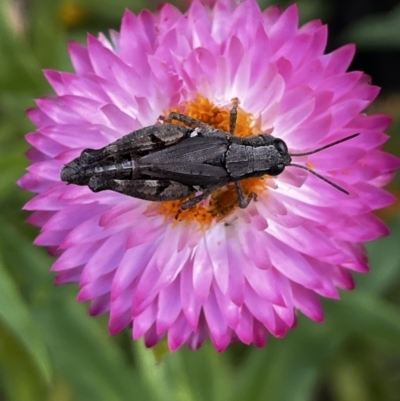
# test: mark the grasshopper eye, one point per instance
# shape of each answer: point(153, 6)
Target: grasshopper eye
point(280, 146)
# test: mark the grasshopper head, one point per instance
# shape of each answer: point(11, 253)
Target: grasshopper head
point(283, 157)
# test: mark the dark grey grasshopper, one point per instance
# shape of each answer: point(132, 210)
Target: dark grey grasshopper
point(168, 161)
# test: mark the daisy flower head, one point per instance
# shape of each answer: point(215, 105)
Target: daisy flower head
point(214, 271)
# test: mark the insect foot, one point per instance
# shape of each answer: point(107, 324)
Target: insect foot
point(245, 202)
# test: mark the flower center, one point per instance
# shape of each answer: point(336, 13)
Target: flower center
point(223, 201)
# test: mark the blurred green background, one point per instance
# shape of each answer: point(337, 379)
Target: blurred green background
point(51, 350)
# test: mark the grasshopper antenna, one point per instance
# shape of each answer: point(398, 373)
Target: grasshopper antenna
point(321, 177)
point(326, 146)
point(319, 150)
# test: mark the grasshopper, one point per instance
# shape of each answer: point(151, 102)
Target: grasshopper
point(168, 161)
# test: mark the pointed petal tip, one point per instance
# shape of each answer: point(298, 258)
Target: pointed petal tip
point(116, 326)
point(83, 295)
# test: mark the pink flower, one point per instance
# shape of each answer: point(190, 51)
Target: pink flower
point(218, 272)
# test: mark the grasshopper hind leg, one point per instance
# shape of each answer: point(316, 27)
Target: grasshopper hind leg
point(185, 119)
point(151, 190)
point(242, 200)
point(197, 199)
point(193, 121)
point(89, 156)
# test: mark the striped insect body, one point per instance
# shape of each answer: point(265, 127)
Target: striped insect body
point(171, 161)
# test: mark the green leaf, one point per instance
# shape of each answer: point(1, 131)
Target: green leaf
point(153, 374)
point(11, 166)
point(84, 353)
point(30, 267)
point(372, 318)
point(114, 9)
point(181, 375)
point(21, 378)
point(15, 316)
point(378, 32)
point(18, 68)
point(297, 359)
point(384, 259)
point(202, 366)
point(355, 375)
point(49, 41)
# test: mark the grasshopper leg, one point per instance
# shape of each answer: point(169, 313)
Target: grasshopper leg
point(243, 202)
point(151, 190)
point(95, 155)
point(233, 115)
point(185, 119)
point(194, 201)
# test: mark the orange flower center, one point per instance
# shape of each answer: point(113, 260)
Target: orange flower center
point(223, 201)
